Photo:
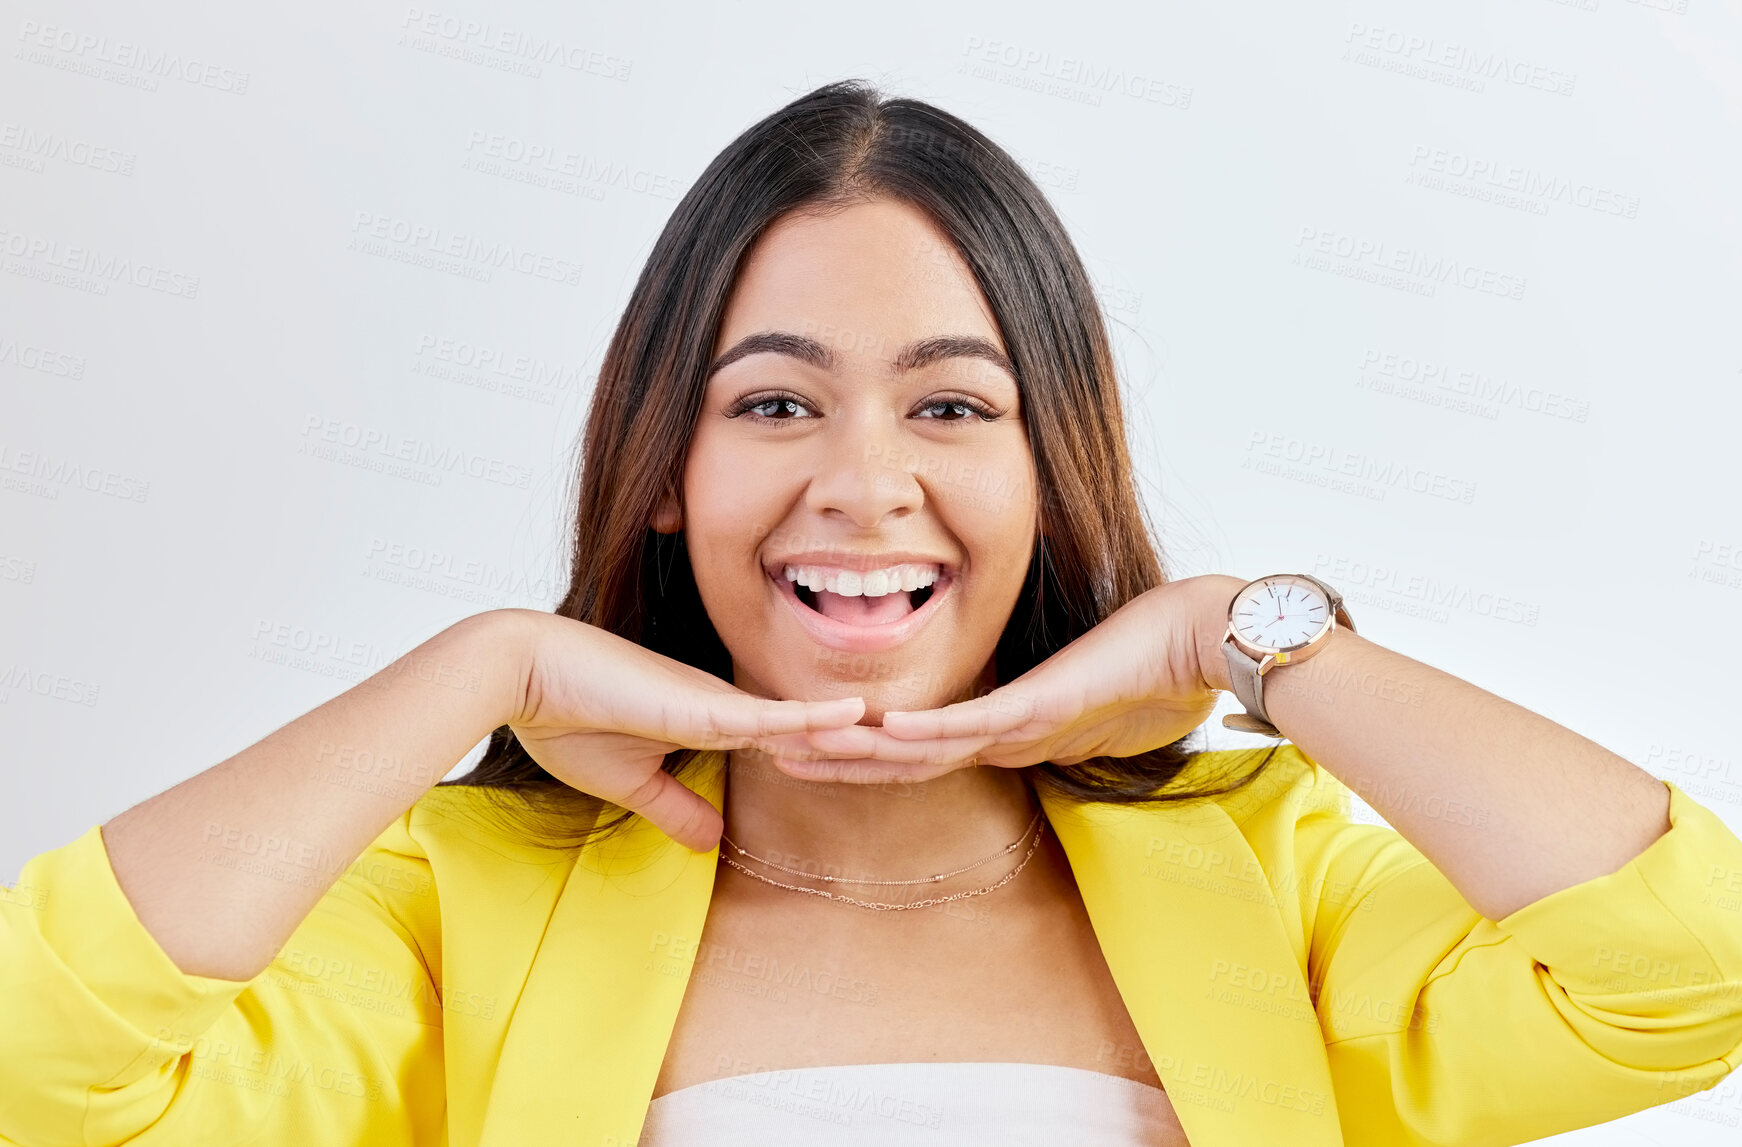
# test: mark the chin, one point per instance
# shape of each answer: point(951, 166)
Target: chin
point(879, 698)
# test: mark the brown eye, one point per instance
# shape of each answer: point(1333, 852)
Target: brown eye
point(754, 405)
point(961, 404)
point(776, 404)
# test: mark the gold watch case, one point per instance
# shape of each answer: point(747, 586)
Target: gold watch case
point(1270, 656)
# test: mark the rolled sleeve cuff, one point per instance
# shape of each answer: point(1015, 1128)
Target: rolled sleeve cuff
point(94, 966)
point(1667, 922)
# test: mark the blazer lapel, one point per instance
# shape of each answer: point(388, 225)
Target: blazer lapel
point(589, 1033)
point(1187, 925)
point(1184, 917)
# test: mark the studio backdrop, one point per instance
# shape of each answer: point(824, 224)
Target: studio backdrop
point(302, 308)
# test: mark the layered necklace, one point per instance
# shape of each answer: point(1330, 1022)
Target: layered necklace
point(1037, 827)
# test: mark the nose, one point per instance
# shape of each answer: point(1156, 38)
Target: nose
point(861, 474)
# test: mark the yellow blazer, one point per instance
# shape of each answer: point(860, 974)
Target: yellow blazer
point(1296, 977)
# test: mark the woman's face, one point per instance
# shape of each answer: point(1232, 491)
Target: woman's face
point(860, 417)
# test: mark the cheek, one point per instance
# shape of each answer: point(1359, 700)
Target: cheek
point(996, 509)
point(728, 511)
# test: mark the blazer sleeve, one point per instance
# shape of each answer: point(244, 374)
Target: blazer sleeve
point(106, 1041)
point(1596, 1001)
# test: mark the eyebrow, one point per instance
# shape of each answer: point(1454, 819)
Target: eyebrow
point(913, 356)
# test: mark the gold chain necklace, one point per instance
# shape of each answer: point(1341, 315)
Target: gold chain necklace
point(1006, 850)
point(1038, 826)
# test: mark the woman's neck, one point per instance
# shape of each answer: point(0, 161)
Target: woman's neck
point(890, 830)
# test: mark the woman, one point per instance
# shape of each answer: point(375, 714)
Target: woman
point(858, 545)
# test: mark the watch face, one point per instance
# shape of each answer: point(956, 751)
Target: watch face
point(1280, 612)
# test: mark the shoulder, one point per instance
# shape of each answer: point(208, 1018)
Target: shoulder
point(1295, 818)
point(454, 829)
point(1285, 783)
point(504, 824)
point(457, 875)
point(1270, 810)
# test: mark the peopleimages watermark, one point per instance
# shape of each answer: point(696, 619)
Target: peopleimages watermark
point(555, 160)
point(502, 369)
point(57, 686)
point(45, 475)
point(1706, 776)
point(17, 569)
point(511, 49)
point(679, 952)
point(1380, 255)
point(1408, 370)
point(428, 245)
point(1351, 576)
point(362, 441)
point(1393, 50)
point(90, 269)
point(464, 579)
point(316, 650)
point(98, 56)
point(35, 146)
point(1069, 77)
point(28, 356)
point(1360, 467)
point(1717, 563)
point(1530, 184)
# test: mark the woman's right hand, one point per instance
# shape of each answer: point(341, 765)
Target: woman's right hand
point(600, 713)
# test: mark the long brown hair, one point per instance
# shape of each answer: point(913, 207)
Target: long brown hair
point(842, 143)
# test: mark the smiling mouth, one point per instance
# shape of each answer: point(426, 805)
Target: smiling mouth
point(858, 625)
point(876, 610)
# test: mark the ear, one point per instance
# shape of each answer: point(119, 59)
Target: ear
point(667, 515)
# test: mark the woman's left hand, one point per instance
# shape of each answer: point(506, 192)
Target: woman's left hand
point(1131, 684)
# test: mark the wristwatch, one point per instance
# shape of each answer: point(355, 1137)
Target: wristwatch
point(1278, 619)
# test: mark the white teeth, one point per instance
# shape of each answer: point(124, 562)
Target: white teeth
point(870, 583)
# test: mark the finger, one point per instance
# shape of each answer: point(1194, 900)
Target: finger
point(847, 741)
point(676, 810)
point(868, 770)
point(815, 744)
point(931, 751)
point(725, 719)
point(866, 742)
point(996, 712)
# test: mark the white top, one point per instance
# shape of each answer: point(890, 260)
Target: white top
point(896, 1104)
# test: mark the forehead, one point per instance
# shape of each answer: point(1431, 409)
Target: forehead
point(864, 278)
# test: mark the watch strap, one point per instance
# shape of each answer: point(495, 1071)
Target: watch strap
point(1248, 686)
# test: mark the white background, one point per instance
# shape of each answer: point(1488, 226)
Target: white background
point(178, 577)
